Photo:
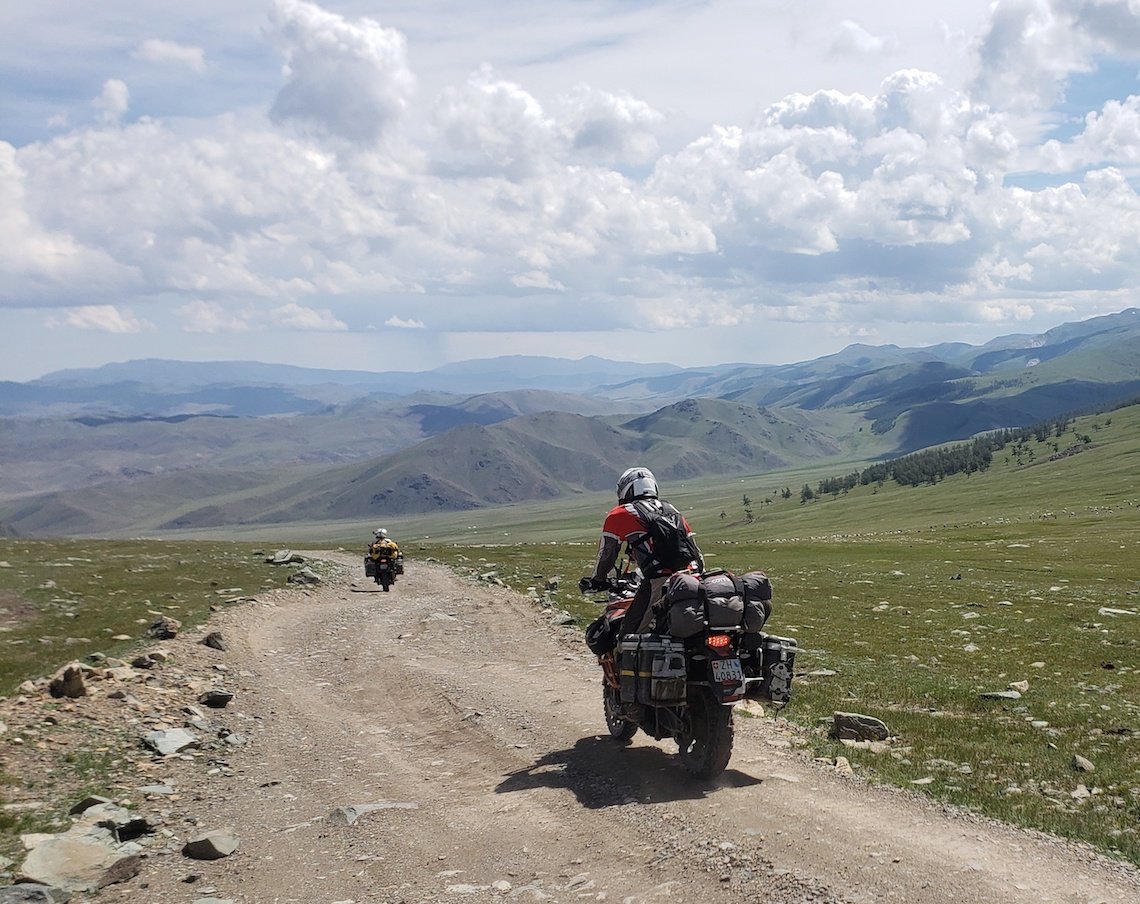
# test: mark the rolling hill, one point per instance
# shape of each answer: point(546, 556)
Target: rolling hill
point(429, 450)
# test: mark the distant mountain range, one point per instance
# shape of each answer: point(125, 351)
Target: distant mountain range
point(213, 444)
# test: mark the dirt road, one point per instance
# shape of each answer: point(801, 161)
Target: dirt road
point(467, 734)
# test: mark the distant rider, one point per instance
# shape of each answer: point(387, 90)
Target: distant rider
point(382, 546)
point(624, 524)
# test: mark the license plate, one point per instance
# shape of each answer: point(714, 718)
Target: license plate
point(727, 671)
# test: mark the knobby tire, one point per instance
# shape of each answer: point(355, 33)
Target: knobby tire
point(706, 746)
point(620, 728)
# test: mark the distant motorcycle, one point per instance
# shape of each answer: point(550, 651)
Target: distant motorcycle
point(384, 568)
point(685, 689)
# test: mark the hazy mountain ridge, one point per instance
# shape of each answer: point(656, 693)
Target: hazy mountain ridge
point(370, 456)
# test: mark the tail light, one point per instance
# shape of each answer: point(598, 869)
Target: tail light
point(718, 642)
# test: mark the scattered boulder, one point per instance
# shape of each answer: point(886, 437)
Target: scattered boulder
point(305, 576)
point(1000, 695)
point(551, 584)
point(33, 893)
point(346, 816)
point(212, 845)
point(69, 682)
point(92, 800)
point(1022, 687)
point(1083, 765)
point(80, 862)
point(216, 698)
point(164, 628)
point(859, 727)
point(168, 743)
point(123, 824)
point(214, 641)
point(285, 557)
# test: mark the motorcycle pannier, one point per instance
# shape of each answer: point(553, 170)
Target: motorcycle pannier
point(772, 659)
point(652, 670)
point(369, 567)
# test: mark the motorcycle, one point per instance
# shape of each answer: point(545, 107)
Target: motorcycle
point(383, 569)
point(685, 689)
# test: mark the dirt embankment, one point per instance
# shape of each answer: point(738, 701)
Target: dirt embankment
point(443, 742)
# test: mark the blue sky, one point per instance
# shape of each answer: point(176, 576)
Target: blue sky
point(397, 185)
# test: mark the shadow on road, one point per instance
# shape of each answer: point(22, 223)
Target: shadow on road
point(603, 773)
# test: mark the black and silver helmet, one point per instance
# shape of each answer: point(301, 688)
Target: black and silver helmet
point(636, 483)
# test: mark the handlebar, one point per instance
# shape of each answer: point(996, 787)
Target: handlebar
point(617, 587)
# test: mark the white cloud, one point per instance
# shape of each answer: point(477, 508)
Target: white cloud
point(348, 79)
point(102, 318)
point(156, 50)
point(113, 102)
point(295, 317)
point(609, 127)
point(853, 38)
point(402, 323)
point(1110, 135)
point(43, 265)
point(494, 127)
point(210, 317)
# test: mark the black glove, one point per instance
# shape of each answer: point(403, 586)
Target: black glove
point(589, 585)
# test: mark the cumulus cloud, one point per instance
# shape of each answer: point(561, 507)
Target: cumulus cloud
point(1031, 48)
point(113, 102)
point(210, 317)
point(156, 50)
point(43, 265)
point(348, 79)
point(402, 323)
point(491, 125)
point(1110, 135)
point(102, 318)
point(610, 127)
point(293, 316)
point(853, 38)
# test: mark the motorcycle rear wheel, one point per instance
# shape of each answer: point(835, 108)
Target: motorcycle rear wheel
point(706, 745)
point(620, 728)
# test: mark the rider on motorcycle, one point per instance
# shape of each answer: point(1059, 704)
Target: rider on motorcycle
point(382, 546)
point(626, 524)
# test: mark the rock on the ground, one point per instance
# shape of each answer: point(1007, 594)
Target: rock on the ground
point(212, 845)
point(164, 628)
point(33, 893)
point(68, 682)
point(859, 727)
point(79, 863)
point(173, 741)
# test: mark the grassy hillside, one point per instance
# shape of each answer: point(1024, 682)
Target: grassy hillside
point(539, 456)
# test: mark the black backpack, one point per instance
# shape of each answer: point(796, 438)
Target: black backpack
point(666, 543)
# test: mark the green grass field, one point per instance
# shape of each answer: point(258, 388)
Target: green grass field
point(915, 600)
point(62, 600)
